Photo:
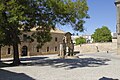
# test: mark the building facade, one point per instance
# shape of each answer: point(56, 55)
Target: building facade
point(88, 38)
point(30, 49)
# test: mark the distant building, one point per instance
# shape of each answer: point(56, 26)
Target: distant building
point(88, 38)
point(74, 37)
point(114, 37)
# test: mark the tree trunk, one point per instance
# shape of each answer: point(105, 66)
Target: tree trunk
point(13, 35)
point(16, 60)
point(0, 53)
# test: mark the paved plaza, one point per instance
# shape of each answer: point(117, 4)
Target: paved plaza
point(97, 66)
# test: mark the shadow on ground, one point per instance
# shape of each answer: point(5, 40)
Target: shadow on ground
point(26, 59)
point(62, 63)
point(105, 78)
point(31, 59)
point(7, 75)
point(2, 64)
point(70, 63)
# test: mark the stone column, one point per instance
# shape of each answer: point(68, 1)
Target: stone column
point(29, 49)
point(117, 3)
point(61, 50)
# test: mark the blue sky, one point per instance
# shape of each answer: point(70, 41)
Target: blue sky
point(102, 13)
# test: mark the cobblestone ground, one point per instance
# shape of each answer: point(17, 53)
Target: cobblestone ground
point(98, 66)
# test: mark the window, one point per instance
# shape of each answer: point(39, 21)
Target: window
point(56, 39)
point(24, 37)
point(33, 48)
point(47, 49)
point(37, 49)
point(8, 50)
point(56, 48)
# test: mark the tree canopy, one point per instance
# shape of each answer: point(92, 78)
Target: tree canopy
point(102, 35)
point(80, 40)
point(17, 15)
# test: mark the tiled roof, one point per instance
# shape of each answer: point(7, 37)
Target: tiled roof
point(56, 30)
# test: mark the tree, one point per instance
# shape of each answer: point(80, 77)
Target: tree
point(102, 35)
point(80, 40)
point(17, 15)
point(1, 41)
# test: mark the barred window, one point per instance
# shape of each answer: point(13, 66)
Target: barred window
point(56, 48)
point(8, 50)
point(24, 37)
point(47, 49)
point(56, 39)
point(37, 49)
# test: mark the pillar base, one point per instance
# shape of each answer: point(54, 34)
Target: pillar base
point(118, 44)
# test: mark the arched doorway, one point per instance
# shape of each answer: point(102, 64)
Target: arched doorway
point(24, 51)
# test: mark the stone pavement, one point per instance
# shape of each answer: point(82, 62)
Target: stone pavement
point(98, 66)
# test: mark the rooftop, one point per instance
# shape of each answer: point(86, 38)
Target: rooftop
point(56, 30)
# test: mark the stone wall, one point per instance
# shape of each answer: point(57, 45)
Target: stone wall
point(53, 45)
point(97, 47)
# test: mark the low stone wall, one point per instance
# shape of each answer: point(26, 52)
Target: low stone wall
point(97, 47)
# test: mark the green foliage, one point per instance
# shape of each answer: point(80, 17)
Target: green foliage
point(42, 37)
point(26, 14)
point(2, 35)
point(16, 15)
point(80, 40)
point(102, 35)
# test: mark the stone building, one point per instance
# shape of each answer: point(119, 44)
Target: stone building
point(29, 48)
point(88, 38)
point(114, 37)
point(117, 3)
